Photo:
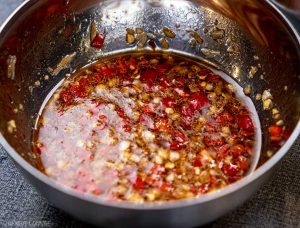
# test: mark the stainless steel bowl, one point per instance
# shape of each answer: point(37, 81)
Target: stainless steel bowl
point(49, 39)
point(291, 6)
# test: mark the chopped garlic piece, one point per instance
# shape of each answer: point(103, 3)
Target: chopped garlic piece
point(11, 126)
point(169, 165)
point(80, 143)
point(124, 145)
point(163, 153)
point(158, 160)
point(100, 88)
point(151, 196)
point(275, 111)
point(268, 104)
point(169, 110)
point(111, 106)
point(266, 95)
point(174, 156)
point(156, 100)
point(170, 177)
point(125, 156)
point(148, 136)
point(280, 123)
point(135, 158)
point(62, 164)
point(197, 170)
point(136, 198)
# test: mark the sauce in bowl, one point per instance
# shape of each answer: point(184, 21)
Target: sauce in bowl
point(147, 128)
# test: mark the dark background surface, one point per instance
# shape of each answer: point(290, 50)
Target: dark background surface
point(276, 204)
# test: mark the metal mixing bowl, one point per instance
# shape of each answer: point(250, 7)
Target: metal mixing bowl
point(292, 6)
point(49, 39)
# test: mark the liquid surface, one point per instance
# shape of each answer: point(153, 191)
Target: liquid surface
point(146, 128)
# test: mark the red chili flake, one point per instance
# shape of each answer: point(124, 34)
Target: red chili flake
point(217, 141)
point(126, 79)
point(150, 181)
point(164, 83)
point(212, 77)
point(92, 157)
point(39, 148)
point(78, 91)
point(149, 77)
point(230, 170)
point(166, 187)
point(163, 68)
point(122, 114)
point(209, 128)
point(204, 188)
point(243, 163)
point(66, 98)
point(180, 81)
point(187, 110)
point(121, 66)
point(198, 100)
point(223, 151)
point(96, 191)
point(275, 133)
point(139, 184)
point(162, 124)
point(198, 162)
point(96, 78)
point(106, 70)
point(132, 64)
point(186, 122)
point(245, 123)
point(102, 117)
point(175, 145)
point(83, 82)
point(168, 102)
point(179, 136)
point(204, 72)
point(224, 118)
point(238, 150)
point(157, 169)
point(127, 128)
point(148, 109)
point(246, 133)
point(98, 41)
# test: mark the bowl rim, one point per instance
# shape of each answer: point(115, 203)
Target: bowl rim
point(286, 8)
point(247, 180)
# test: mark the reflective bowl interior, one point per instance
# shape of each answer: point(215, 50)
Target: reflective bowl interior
point(50, 39)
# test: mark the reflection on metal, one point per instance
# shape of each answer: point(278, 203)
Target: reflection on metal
point(45, 38)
